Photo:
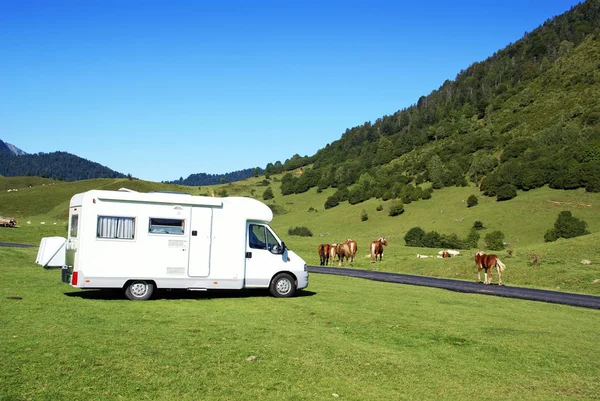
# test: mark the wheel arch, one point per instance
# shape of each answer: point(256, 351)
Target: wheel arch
point(285, 272)
point(131, 280)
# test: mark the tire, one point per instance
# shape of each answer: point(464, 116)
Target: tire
point(283, 286)
point(139, 290)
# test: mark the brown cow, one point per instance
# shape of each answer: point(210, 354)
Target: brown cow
point(377, 249)
point(324, 254)
point(332, 252)
point(486, 263)
point(343, 251)
point(353, 248)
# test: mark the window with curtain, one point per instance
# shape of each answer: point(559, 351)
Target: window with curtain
point(116, 227)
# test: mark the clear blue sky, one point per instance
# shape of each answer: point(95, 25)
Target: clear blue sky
point(163, 89)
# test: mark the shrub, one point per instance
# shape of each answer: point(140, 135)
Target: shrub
point(396, 208)
point(478, 225)
point(357, 195)
point(506, 192)
point(551, 235)
point(332, 201)
point(379, 208)
point(432, 240)
point(300, 231)
point(566, 226)
point(452, 241)
point(472, 201)
point(593, 185)
point(268, 194)
point(426, 195)
point(473, 238)
point(414, 237)
point(495, 241)
point(364, 216)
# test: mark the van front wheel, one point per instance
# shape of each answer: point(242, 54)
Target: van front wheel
point(139, 290)
point(283, 285)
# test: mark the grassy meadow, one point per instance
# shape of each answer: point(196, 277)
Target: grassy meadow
point(342, 338)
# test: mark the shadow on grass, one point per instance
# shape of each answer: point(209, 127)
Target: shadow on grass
point(113, 294)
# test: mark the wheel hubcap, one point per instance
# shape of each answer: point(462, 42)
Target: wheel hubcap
point(139, 289)
point(284, 286)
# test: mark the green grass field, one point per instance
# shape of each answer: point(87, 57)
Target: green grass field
point(341, 338)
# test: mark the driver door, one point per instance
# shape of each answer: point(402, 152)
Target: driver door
point(263, 257)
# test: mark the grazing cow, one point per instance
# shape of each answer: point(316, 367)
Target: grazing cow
point(486, 263)
point(324, 254)
point(332, 252)
point(353, 248)
point(343, 251)
point(8, 222)
point(377, 249)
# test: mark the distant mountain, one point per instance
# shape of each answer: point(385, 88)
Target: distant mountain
point(58, 165)
point(200, 179)
point(15, 150)
point(4, 148)
point(68, 167)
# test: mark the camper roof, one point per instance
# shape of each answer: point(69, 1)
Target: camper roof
point(157, 197)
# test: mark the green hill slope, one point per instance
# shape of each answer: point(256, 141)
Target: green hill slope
point(523, 220)
point(526, 117)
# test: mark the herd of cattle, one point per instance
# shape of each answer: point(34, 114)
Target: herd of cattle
point(347, 250)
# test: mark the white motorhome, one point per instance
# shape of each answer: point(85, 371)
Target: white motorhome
point(142, 241)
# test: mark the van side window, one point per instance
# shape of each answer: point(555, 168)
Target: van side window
point(257, 236)
point(271, 241)
point(74, 225)
point(166, 226)
point(116, 227)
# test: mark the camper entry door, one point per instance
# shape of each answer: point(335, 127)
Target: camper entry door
point(200, 239)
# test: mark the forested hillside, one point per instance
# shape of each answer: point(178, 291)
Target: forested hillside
point(212, 179)
point(526, 117)
point(58, 165)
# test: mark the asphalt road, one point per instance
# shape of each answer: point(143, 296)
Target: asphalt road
point(16, 245)
point(586, 301)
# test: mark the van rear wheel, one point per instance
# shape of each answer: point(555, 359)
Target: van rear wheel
point(139, 290)
point(282, 286)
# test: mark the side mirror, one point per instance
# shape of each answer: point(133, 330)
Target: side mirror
point(278, 250)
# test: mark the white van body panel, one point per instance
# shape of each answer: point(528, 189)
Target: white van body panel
point(205, 249)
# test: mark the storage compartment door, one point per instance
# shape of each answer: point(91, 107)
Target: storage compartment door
point(200, 241)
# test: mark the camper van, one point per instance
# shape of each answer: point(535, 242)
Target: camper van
point(143, 241)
